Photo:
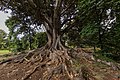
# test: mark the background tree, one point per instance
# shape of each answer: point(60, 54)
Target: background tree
point(3, 39)
point(24, 37)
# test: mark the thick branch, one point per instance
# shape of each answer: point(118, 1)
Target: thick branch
point(32, 3)
point(69, 6)
point(48, 28)
point(48, 21)
point(68, 27)
point(58, 4)
point(56, 16)
point(43, 18)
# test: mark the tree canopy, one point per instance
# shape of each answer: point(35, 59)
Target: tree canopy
point(59, 16)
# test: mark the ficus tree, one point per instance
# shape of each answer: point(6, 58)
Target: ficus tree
point(3, 39)
point(29, 36)
point(57, 17)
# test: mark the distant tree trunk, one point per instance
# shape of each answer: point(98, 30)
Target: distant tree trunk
point(30, 41)
point(94, 48)
point(100, 38)
point(30, 38)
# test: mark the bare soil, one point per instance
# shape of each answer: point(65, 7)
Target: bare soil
point(84, 67)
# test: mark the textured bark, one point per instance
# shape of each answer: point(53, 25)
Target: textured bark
point(54, 41)
point(53, 28)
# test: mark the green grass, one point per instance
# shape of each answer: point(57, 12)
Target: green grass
point(2, 52)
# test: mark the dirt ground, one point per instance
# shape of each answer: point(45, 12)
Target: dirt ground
point(35, 71)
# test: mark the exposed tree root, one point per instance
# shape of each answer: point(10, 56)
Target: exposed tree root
point(30, 73)
point(56, 63)
point(51, 65)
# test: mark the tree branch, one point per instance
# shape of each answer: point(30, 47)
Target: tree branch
point(68, 27)
point(62, 13)
point(32, 3)
point(43, 18)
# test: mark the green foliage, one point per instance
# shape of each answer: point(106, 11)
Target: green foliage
point(89, 35)
point(38, 40)
point(3, 40)
point(72, 38)
point(105, 57)
point(41, 39)
point(23, 36)
point(112, 39)
point(89, 30)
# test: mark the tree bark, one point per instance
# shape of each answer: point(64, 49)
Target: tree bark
point(54, 40)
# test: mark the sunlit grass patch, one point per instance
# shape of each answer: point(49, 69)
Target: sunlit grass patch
point(2, 52)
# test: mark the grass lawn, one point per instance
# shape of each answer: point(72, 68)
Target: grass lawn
point(2, 52)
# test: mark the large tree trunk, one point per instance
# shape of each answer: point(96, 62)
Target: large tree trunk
point(54, 40)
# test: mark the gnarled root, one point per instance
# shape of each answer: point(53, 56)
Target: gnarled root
point(57, 64)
